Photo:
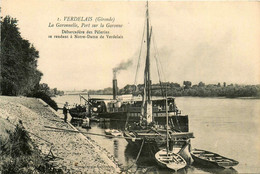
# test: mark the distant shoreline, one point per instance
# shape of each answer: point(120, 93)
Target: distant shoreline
point(252, 98)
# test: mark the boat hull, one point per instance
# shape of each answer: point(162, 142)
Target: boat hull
point(180, 122)
point(171, 160)
point(158, 142)
point(211, 160)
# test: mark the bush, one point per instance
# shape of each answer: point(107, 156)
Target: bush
point(19, 155)
point(19, 142)
point(46, 98)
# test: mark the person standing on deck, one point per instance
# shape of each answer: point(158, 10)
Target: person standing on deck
point(65, 111)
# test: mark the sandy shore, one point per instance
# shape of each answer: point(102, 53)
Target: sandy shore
point(74, 153)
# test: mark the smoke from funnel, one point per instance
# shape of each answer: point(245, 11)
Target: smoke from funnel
point(123, 66)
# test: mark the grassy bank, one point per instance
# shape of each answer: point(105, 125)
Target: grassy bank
point(47, 150)
point(18, 153)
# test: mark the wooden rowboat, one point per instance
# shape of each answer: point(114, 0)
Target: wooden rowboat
point(210, 159)
point(170, 160)
point(113, 132)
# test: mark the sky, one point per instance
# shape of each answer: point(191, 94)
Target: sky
point(196, 41)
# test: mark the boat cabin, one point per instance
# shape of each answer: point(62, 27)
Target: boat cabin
point(131, 105)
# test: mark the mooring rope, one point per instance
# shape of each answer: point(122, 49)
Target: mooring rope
point(139, 151)
point(126, 123)
point(87, 133)
point(137, 157)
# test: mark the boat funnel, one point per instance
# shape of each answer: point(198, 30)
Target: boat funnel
point(114, 85)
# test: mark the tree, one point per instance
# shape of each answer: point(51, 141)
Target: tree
point(187, 84)
point(55, 90)
point(19, 60)
point(43, 87)
point(201, 84)
point(175, 85)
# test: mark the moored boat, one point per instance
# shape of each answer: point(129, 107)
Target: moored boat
point(130, 110)
point(113, 132)
point(210, 159)
point(170, 160)
point(78, 111)
point(157, 137)
point(152, 115)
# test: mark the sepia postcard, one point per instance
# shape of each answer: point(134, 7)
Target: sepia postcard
point(130, 86)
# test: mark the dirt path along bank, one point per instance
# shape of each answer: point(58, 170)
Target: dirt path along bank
point(74, 152)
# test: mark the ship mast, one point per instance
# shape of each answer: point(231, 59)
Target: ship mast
point(167, 121)
point(147, 78)
point(148, 58)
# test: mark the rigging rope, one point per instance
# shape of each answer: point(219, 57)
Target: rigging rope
point(157, 64)
point(139, 58)
point(158, 57)
point(161, 74)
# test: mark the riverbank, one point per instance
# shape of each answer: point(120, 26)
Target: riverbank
point(71, 152)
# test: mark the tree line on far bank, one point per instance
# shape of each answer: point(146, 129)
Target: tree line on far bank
point(187, 89)
point(19, 74)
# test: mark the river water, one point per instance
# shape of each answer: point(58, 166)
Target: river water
point(229, 127)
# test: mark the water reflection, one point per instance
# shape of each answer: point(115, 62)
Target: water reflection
point(119, 125)
point(127, 154)
point(116, 148)
point(217, 170)
point(214, 122)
